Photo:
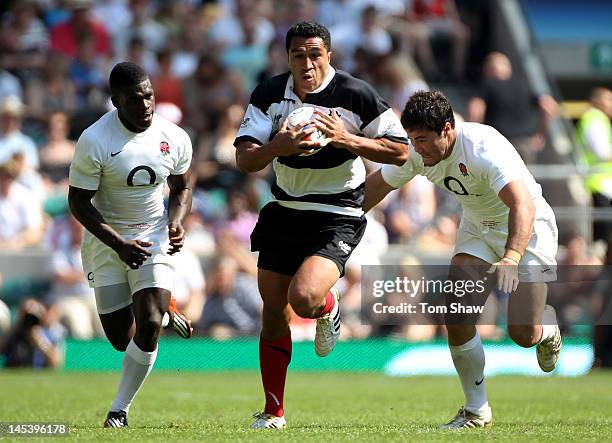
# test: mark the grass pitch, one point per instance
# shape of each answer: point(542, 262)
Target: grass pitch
point(327, 407)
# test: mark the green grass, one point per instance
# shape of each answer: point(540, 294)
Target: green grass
point(319, 406)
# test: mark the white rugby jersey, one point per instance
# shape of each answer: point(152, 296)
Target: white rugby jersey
point(481, 163)
point(332, 179)
point(129, 169)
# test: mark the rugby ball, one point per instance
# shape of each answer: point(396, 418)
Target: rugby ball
point(307, 114)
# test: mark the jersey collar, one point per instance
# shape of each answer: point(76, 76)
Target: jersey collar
point(289, 94)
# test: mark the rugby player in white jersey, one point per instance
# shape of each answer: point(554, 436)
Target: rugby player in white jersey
point(117, 180)
point(505, 222)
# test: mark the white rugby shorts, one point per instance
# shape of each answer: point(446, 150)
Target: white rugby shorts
point(487, 241)
point(103, 267)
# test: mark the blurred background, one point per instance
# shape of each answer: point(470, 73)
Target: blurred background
point(540, 71)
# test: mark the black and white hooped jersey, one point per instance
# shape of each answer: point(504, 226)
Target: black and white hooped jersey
point(332, 179)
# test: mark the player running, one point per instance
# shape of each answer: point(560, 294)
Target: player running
point(306, 235)
point(117, 180)
point(505, 222)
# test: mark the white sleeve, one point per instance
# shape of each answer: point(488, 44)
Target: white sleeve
point(185, 153)
point(397, 176)
point(257, 125)
point(86, 166)
point(502, 166)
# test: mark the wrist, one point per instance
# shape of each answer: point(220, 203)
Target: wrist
point(512, 255)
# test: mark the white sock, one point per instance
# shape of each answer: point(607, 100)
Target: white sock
point(136, 367)
point(469, 360)
point(549, 323)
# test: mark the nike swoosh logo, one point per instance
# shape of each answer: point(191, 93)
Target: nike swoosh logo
point(116, 153)
point(478, 383)
point(545, 270)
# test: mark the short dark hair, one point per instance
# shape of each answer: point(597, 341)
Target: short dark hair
point(308, 30)
point(125, 74)
point(427, 110)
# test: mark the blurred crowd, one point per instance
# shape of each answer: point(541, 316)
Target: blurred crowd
point(204, 58)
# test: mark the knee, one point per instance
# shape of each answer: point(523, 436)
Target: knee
point(119, 343)
point(525, 336)
point(460, 334)
point(148, 323)
point(303, 301)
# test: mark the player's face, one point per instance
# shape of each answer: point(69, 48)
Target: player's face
point(136, 105)
point(431, 146)
point(308, 62)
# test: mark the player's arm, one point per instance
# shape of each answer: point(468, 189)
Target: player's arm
point(516, 196)
point(131, 252)
point(179, 206)
point(253, 157)
point(381, 150)
point(376, 188)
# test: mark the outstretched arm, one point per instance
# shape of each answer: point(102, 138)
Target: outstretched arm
point(376, 188)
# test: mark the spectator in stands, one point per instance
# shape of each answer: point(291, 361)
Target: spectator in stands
point(139, 53)
point(248, 58)
point(277, 61)
point(370, 35)
point(208, 93)
point(53, 91)
point(36, 339)
point(506, 102)
point(441, 20)
point(12, 140)
point(168, 87)
point(65, 37)
point(396, 78)
point(28, 177)
point(240, 220)
point(23, 39)
point(70, 291)
point(9, 85)
point(228, 30)
point(143, 27)
point(594, 136)
point(233, 305)
point(87, 72)
point(189, 284)
point(57, 153)
point(21, 223)
point(410, 210)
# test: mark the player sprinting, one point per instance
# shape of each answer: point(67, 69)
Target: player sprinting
point(116, 190)
point(505, 222)
point(306, 235)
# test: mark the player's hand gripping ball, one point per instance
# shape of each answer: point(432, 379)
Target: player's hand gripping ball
point(307, 114)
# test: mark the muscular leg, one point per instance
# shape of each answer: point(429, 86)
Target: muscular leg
point(525, 309)
point(311, 284)
point(119, 327)
point(464, 342)
point(148, 306)
point(275, 339)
